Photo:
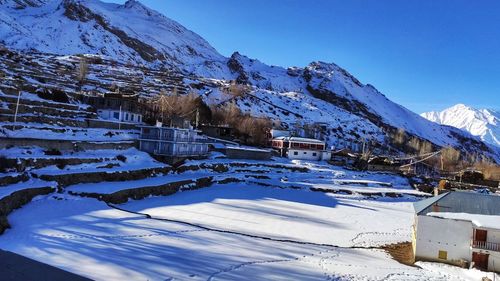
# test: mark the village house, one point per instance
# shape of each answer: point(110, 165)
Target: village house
point(118, 107)
point(173, 143)
point(301, 148)
point(383, 164)
point(218, 131)
point(343, 157)
point(461, 228)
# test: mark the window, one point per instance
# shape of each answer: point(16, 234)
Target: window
point(305, 152)
point(126, 116)
point(443, 255)
point(116, 115)
point(295, 153)
point(314, 154)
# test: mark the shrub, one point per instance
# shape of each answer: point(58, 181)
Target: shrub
point(121, 158)
point(52, 152)
point(60, 163)
point(53, 95)
point(3, 164)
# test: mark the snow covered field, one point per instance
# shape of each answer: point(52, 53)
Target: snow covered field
point(89, 238)
point(298, 215)
point(272, 224)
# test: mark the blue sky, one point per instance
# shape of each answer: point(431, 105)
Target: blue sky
point(424, 54)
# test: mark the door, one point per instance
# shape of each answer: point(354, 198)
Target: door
point(480, 261)
point(481, 235)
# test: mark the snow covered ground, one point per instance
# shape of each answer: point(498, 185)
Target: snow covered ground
point(89, 238)
point(299, 215)
point(274, 225)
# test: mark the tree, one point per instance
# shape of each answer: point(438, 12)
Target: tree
point(237, 90)
point(82, 70)
point(252, 130)
point(450, 158)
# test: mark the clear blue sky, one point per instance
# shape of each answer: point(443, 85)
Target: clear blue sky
point(423, 54)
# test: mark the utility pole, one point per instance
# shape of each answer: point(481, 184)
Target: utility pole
point(442, 164)
point(197, 117)
point(120, 119)
point(17, 108)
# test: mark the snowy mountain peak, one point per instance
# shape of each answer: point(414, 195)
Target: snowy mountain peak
point(129, 32)
point(483, 123)
point(138, 7)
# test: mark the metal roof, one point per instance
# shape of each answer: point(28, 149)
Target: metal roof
point(298, 139)
point(460, 202)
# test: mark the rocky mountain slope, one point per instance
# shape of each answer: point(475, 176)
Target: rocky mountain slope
point(145, 43)
point(484, 123)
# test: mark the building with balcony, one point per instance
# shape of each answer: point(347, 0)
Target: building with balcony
point(461, 228)
point(172, 142)
point(301, 148)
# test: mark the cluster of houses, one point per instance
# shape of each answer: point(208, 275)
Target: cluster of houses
point(182, 141)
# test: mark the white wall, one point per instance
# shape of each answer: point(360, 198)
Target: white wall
point(493, 235)
point(494, 261)
point(435, 234)
point(126, 116)
point(326, 155)
point(304, 154)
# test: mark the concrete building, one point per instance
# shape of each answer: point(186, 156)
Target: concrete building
point(461, 228)
point(301, 148)
point(172, 142)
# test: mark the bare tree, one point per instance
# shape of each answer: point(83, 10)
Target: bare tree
point(83, 68)
point(252, 129)
point(450, 158)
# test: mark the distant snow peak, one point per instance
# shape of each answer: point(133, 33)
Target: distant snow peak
point(483, 123)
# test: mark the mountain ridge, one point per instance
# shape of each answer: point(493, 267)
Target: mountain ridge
point(319, 92)
point(484, 123)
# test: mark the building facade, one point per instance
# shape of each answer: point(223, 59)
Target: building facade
point(461, 228)
point(172, 142)
point(301, 148)
point(116, 107)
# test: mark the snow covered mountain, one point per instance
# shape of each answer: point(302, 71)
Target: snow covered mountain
point(132, 33)
point(129, 32)
point(484, 123)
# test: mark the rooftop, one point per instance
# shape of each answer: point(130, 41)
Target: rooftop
point(297, 139)
point(460, 202)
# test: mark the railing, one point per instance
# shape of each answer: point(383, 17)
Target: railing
point(155, 137)
point(486, 245)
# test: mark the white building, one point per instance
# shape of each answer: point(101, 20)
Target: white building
point(301, 148)
point(461, 228)
point(116, 107)
point(172, 142)
point(119, 116)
